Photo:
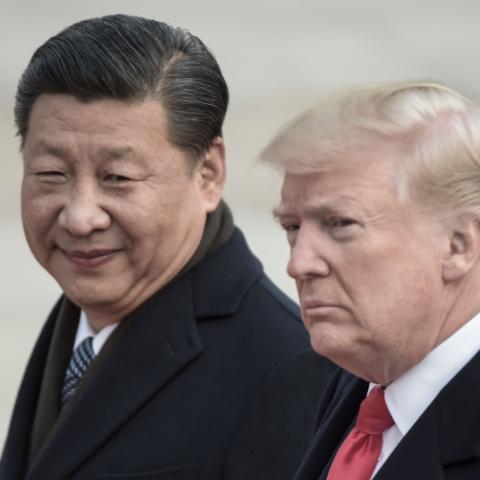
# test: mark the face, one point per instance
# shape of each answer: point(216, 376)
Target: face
point(111, 209)
point(367, 268)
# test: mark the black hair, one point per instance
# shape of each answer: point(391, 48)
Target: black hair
point(131, 58)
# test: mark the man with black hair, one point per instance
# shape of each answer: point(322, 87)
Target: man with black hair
point(170, 355)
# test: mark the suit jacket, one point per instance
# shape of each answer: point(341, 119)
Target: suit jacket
point(444, 443)
point(213, 379)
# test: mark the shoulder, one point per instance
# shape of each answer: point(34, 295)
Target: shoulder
point(231, 284)
point(282, 300)
point(272, 320)
point(270, 299)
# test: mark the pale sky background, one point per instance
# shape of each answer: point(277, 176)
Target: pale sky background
point(278, 57)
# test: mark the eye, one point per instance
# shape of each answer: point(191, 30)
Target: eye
point(342, 228)
point(293, 227)
point(341, 222)
point(115, 178)
point(289, 226)
point(51, 176)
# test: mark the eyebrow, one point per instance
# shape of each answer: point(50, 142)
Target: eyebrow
point(116, 153)
point(55, 150)
point(327, 206)
point(279, 211)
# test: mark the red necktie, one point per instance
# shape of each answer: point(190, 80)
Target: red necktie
point(358, 454)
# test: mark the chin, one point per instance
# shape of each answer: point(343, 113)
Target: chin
point(336, 350)
point(91, 298)
point(329, 349)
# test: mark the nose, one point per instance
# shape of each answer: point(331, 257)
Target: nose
point(307, 257)
point(82, 213)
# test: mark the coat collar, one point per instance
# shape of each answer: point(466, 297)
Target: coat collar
point(458, 414)
point(220, 283)
point(152, 345)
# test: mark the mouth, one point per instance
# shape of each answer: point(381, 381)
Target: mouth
point(89, 258)
point(316, 307)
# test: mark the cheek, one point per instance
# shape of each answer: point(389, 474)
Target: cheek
point(35, 234)
point(396, 303)
point(390, 267)
point(38, 213)
point(377, 286)
point(37, 202)
point(147, 235)
point(39, 217)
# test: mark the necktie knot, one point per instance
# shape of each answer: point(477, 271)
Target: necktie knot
point(373, 415)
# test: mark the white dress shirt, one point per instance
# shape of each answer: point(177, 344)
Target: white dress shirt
point(84, 330)
point(409, 395)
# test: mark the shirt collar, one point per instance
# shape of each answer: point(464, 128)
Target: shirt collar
point(409, 395)
point(85, 330)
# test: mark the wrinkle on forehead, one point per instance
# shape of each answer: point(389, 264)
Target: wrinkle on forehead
point(63, 149)
point(366, 193)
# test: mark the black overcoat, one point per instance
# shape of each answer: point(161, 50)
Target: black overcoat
point(213, 379)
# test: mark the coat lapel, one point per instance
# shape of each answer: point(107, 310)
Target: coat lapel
point(338, 411)
point(147, 350)
point(60, 351)
point(417, 455)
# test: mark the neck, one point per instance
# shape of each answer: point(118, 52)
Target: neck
point(464, 304)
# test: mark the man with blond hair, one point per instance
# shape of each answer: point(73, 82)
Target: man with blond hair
point(381, 207)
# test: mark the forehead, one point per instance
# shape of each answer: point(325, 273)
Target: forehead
point(365, 179)
point(58, 119)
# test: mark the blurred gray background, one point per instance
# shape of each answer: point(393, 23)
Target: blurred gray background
point(278, 57)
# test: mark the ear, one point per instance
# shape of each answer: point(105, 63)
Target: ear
point(464, 251)
point(211, 171)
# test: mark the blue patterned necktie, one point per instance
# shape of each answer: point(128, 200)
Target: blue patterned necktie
point(81, 358)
